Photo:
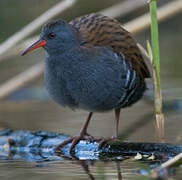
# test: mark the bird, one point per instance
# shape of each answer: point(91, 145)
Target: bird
point(91, 63)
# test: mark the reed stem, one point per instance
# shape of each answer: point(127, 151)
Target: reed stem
point(156, 70)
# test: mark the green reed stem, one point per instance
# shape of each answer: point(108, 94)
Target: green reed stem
point(155, 56)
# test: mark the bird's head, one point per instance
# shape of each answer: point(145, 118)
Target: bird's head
point(56, 36)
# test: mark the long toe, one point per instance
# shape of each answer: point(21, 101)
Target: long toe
point(74, 140)
point(74, 143)
point(67, 141)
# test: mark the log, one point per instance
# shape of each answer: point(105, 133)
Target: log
point(39, 146)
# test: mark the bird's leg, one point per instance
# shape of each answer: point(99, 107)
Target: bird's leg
point(83, 130)
point(117, 114)
point(115, 136)
point(76, 139)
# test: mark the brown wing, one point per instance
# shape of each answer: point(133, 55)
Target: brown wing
point(100, 30)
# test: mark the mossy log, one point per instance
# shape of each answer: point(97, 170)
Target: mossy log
point(35, 146)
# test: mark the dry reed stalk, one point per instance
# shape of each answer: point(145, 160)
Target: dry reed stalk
point(156, 172)
point(35, 24)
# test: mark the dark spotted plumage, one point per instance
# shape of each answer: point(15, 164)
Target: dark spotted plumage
point(100, 30)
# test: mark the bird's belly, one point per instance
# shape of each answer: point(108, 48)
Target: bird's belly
point(98, 100)
point(96, 92)
point(87, 95)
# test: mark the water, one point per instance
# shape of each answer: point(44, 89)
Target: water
point(67, 170)
point(31, 108)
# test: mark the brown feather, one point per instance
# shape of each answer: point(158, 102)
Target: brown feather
point(98, 30)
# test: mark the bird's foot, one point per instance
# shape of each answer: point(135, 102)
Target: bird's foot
point(104, 141)
point(74, 140)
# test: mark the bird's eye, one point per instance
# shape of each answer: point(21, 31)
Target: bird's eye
point(51, 35)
